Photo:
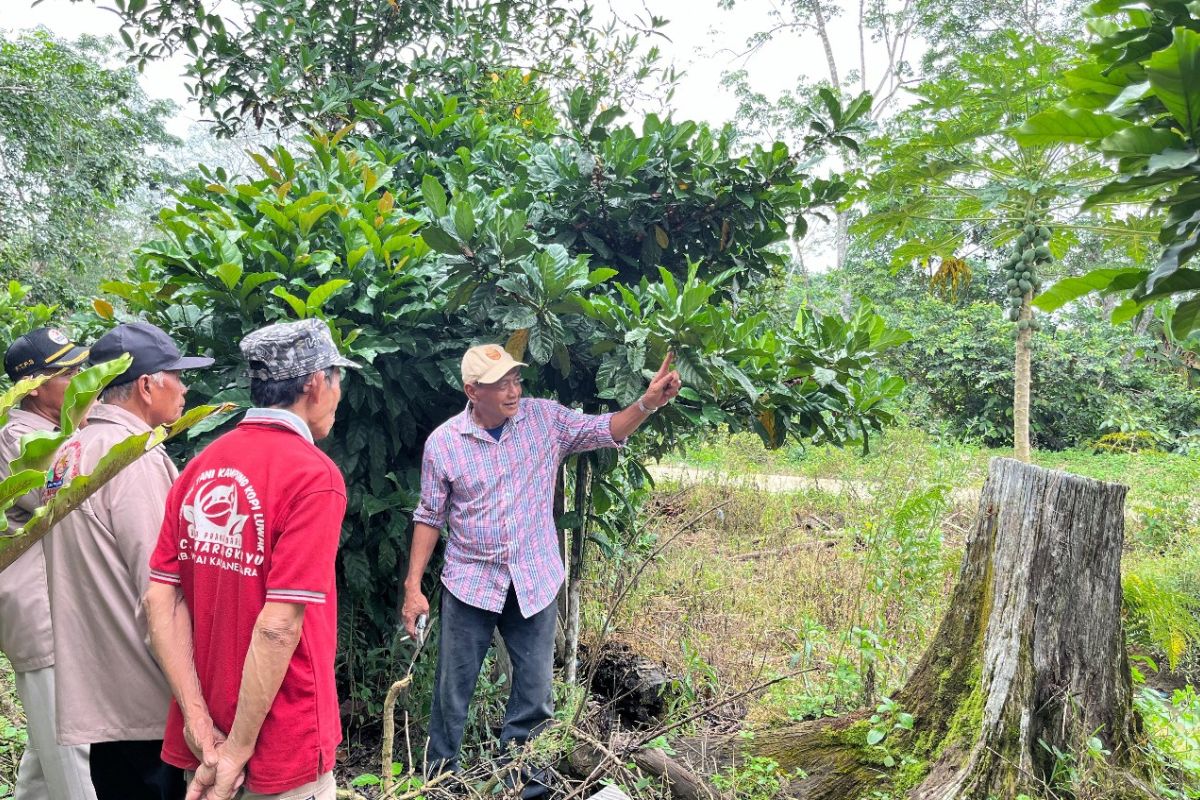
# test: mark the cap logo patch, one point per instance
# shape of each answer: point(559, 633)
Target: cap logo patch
point(58, 337)
point(494, 354)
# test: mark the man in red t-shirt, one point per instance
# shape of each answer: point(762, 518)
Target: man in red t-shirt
point(242, 606)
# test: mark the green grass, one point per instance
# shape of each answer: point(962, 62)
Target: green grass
point(12, 730)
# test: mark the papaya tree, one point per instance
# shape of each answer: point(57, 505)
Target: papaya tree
point(954, 181)
point(1138, 93)
point(587, 248)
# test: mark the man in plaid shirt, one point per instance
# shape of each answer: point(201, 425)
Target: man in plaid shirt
point(488, 476)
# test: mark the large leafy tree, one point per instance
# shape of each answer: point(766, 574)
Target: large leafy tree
point(77, 140)
point(955, 182)
point(278, 63)
point(588, 249)
point(1137, 98)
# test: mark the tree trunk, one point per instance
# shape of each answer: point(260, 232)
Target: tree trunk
point(1029, 659)
point(560, 508)
point(583, 505)
point(1021, 385)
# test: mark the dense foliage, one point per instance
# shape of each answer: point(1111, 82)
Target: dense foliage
point(589, 250)
point(1137, 99)
point(281, 62)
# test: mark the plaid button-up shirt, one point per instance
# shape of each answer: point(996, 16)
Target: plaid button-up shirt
point(497, 499)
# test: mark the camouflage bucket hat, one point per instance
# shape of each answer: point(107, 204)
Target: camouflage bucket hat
point(291, 349)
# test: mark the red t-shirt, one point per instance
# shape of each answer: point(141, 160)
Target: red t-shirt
point(256, 517)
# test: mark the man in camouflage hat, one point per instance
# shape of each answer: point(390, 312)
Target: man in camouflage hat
point(243, 614)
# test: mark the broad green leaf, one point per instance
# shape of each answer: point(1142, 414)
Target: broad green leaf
point(85, 387)
point(1126, 311)
point(434, 196)
point(319, 296)
point(1070, 289)
point(600, 275)
point(464, 219)
point(1066, 126)
point(296, 303)
point(255, 280)
point(13, 488)
point(229, 273)
point(37, 451)
point(1186, 318)
point(1174, 73)
point(15, 394)
point(440, 241)
point(1141, 140)
point(68, 498)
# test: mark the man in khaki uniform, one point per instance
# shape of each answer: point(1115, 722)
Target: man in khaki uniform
point(48, 770)
point(110, 691)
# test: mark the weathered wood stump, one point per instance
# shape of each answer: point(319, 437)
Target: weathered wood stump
point(1029, 659)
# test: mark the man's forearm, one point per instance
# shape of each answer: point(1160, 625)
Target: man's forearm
point(276, 635)
point(626, 421)
point(170, 624)
point(424, 539)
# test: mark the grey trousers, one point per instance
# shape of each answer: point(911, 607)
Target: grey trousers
point(48, 771)
point(466, 635)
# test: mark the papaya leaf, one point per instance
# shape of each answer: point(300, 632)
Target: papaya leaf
point(85, 387)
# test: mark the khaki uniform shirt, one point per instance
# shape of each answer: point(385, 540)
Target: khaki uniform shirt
point(25, 635)
point(108, 686)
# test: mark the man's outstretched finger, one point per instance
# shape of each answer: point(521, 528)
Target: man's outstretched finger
point(666, 365)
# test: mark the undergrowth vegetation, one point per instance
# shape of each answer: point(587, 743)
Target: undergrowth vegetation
point(825, 594)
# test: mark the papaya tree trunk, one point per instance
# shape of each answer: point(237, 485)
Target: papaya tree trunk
point(583, 505)
point(1026, 667)
point(1022, 383)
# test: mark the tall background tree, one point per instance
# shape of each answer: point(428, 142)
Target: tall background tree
point(78, 141)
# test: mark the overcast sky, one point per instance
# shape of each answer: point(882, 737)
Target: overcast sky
point(703, 40)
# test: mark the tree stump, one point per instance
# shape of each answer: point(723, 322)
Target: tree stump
point(1029, 660)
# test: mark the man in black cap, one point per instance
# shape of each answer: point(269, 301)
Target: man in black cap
point(48, 770)
point(110, 691)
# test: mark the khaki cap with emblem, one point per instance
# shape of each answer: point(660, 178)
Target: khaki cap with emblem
point(42, 350)
point(487, 363)
point(292, 349)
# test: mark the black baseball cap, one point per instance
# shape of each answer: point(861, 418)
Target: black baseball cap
point(152, 350)
point(41, 350)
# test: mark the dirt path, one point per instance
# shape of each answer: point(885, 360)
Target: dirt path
point(783, 483)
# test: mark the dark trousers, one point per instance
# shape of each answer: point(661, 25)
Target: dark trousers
point(466, 635)
point(134, 771)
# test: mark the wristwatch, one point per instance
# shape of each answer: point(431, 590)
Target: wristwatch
point(642, 407)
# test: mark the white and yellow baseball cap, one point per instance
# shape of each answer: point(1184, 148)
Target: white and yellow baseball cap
point(487, 363)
